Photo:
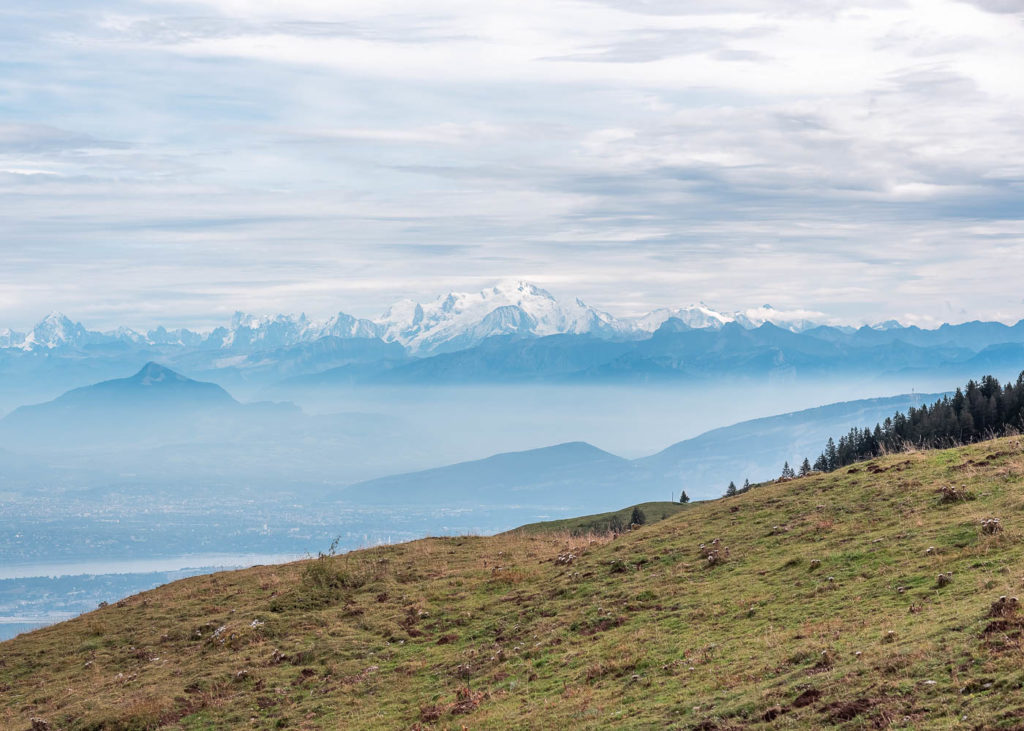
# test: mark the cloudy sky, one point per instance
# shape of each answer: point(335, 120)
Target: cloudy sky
point(169, 161)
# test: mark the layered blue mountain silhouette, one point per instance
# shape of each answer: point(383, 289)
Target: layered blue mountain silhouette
point(188, 421)
point(565, 474)
point(579, 475)
point(155, 404)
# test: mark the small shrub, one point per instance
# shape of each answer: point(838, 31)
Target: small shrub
point(714, 552)
point(950, 494)
point(1004, 607)
point(991, 526)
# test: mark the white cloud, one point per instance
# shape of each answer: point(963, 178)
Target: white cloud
point(179, 160)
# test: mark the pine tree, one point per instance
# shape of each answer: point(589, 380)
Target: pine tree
point(787, 471)
point(746, 486)
point(683, 498)
point(638, 517)
point(805, 467)
point(981, 410)
point(731, 490)
point(831, 456)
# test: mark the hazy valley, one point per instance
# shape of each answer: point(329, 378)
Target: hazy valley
point(411, 435)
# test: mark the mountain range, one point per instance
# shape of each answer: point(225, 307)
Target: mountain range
point(515, 332)
point(173, 419)
point(452, 321)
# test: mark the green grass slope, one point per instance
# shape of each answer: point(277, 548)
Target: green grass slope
point(602, 522)
point(823, 607)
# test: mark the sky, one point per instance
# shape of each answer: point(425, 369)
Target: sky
point(170, 162)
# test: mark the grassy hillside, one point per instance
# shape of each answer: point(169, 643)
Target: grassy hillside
point(602, 522)
point(823, 606)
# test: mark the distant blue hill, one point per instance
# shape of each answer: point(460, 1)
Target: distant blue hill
point(579, 475)
point(757, 449)
point(568, 475)
point(156, 403)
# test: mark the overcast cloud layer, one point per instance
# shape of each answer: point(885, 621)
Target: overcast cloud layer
point(170, 162)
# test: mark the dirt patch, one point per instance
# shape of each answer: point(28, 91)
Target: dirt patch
point(847, 710)
point(877, 469)
point(466, 701)
point(806, 698)
point(1003, 626)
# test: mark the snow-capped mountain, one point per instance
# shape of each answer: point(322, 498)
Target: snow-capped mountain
point(459, 320)
point(695, 316)
point(55, 331)
point(451, 322)
point(10, 339)
point(701, 316)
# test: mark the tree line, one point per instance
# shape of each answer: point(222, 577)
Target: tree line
point(982, 410)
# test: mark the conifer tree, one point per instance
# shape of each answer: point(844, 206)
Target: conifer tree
point(805, 467)
point(731, 490)
point(637, 517)
point(831, 455)
point(683, 497)
point(981, 410)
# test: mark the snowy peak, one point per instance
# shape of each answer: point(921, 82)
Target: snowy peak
point(181, 337)
point(11, 339)
point(697, 316)
point(451, 322)
point(463, 319)
point(701, 316)
point(795, 320)
point(347, 326)
point(54, 331)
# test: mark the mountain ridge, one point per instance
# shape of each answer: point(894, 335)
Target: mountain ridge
point(453, 320)
point(579, 474)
